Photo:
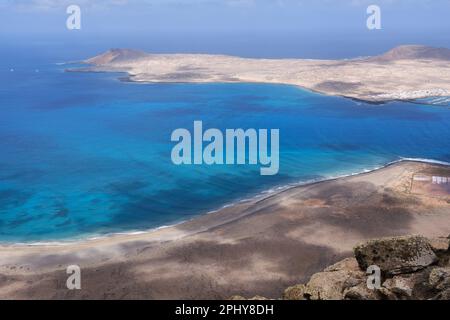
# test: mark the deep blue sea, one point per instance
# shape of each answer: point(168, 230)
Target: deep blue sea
point(85, 154)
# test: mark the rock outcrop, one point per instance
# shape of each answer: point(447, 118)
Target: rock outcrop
point(396, 255)
point(410, 268)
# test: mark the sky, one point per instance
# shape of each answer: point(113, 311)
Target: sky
point(244, 27)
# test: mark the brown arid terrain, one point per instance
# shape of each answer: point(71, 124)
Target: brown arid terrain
point(257, 247)
point(404, 73)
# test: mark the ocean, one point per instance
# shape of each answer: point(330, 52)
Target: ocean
point(85, 154)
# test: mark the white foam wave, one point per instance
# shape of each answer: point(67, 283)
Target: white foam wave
point(260, 195)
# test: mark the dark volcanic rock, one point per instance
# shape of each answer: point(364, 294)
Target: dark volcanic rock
point(396, 255)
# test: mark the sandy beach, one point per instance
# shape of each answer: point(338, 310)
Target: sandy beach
point(256, 247)
point(403, 73)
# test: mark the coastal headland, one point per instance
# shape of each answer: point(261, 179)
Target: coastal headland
point(404, 73)
point(256, 247)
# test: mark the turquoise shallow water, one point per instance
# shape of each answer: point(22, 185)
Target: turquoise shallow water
point(85, 154)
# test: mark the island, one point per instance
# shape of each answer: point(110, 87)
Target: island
point(406, 72)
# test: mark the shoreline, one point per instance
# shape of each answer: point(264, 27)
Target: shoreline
point(394, 76)
point(128, 78)
point(255, 247)
point(263, 195)
point(380, 102)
